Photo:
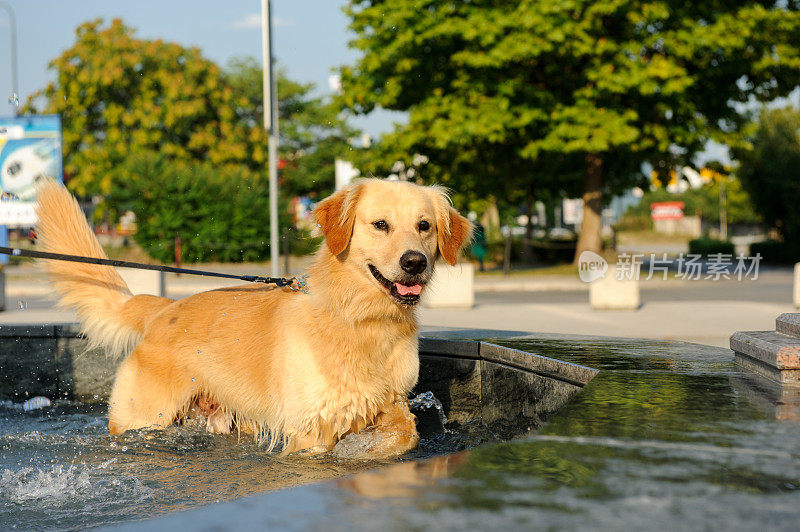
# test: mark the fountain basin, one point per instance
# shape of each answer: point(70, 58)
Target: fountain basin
point(60, 469)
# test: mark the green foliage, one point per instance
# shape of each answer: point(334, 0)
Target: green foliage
point(520, 98)
point(313, 132)
point(705, 201)
point(706, 246)
point(770, 168)
point(220, 213)
point(776, 252)
point(117, 94)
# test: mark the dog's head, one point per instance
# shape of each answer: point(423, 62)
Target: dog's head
point(392, 232)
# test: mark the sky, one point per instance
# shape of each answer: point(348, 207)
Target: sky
point(310, 37)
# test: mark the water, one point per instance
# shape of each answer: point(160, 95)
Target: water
point(668, 436)
point(61, 470)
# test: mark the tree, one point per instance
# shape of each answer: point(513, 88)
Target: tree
point(769, 170)
point(118, 94)
point(313, 132)
point(495, 90)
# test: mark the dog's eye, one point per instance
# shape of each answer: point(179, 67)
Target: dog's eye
point(381, 225)
point(424, 225)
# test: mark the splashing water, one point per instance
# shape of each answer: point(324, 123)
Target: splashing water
point(427, 401)
point(59, 483)
point(14, 100)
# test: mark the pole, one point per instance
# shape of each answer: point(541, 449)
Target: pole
point(723, 211)
point(12, 19)
point(271, 125)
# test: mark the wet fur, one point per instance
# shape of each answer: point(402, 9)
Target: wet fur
point(298, 369)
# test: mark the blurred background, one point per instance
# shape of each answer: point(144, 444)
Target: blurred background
point(650, 132)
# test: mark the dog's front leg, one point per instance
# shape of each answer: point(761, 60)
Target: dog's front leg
point(308, 444)
point(393, 433)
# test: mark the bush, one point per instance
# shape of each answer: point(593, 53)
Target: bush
point(710, 246)
point(635, 222)
point(775, 252)
point(221, 214)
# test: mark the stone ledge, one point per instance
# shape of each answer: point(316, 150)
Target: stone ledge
point(777, 350)
point(543, 366)
point(786, 377)
point(788, 323)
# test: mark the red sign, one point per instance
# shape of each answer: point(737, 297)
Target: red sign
point(666, 210)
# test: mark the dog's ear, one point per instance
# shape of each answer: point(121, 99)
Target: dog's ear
point(336, 216)
point(453, 230)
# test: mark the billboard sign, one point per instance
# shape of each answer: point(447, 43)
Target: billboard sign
point(30, 149)
point(666, 210)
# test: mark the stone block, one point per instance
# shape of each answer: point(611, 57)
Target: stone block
point(451, 287)
point(610, 293)
point(84, 375)
point(783, 377)
point(456, 382)
point(509, 394)
point(543, 366)
point(442, 346)
point(777, 350)
point(797, 285)
point(28, 365)
point(788, 323)
point(147, 282)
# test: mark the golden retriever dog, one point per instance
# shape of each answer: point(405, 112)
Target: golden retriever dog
point(302, 370)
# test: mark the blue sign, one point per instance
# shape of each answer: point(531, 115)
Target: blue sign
point(30, 149)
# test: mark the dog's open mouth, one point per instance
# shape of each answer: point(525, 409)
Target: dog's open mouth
point(406, 294)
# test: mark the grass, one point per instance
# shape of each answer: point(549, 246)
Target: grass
point(650, 237)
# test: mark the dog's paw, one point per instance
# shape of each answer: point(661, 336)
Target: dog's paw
point(219, 422)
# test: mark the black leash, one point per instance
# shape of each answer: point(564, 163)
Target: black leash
point(297, 284)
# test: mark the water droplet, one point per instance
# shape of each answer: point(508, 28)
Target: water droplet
point(96, 396)
point(198, 351)
point(22, 305)
point(14, 99)
point(124, 447)
point(193, 379)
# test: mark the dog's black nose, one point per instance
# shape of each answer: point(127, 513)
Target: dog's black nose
point(413, 262)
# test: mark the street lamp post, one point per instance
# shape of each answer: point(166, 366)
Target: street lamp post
point(12, 19)
point(271, 125)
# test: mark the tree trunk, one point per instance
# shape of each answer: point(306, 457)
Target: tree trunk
point(589, 238)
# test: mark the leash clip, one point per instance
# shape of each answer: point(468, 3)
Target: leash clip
point(298, 284)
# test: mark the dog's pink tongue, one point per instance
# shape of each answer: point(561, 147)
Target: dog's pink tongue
point(404, 290)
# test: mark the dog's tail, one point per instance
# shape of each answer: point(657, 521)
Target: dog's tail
point(102, 300)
